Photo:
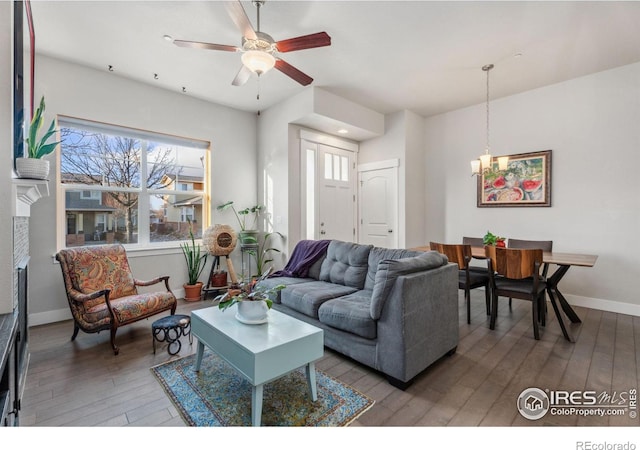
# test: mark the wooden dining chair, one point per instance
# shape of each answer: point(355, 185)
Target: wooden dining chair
point(515, 273)
point(467, 279)
point(473, 241)
point(545, 246)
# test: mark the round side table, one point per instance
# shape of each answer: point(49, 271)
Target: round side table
point(169, 329)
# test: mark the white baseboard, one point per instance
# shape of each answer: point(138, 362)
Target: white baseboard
point(604, 305)
point(49, 317)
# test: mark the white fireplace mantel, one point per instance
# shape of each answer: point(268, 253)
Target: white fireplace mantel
point(26, 192)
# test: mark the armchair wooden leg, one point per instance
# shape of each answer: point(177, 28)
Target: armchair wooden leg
point(76, 328)
point(116, 350)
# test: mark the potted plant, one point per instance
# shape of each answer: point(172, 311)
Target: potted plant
point(262, 254)
point(196, 260)
point(34, 166)
point(492, 239)
point(253, 300)
point(242, 217)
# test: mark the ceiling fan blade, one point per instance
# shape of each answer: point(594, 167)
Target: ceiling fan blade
point(321, 39)
point(206, 45)
point(292, 72)
point(243, 75)
point(240, 18)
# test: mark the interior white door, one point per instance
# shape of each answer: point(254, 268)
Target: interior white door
point(336, 194)
point(379, 207)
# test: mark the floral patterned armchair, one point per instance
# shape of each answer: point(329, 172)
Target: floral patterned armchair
point(102, 292)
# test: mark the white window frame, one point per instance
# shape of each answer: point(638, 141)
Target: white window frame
point(142, 220)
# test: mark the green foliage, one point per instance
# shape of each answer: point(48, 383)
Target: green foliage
point(243, 214)
point(195, 258)
point(262, 255)
point(251, 291)
point(491, 239)
point(37, 148)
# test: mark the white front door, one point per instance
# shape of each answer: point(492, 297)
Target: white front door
point(336, 194)
point(379, 207)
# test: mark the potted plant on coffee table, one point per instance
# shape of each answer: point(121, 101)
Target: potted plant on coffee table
point(253, 300)
point(196, 260)
point(33, 165)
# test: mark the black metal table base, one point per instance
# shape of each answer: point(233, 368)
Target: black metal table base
point(169, 329)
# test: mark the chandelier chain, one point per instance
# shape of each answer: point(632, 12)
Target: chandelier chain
point(487, 69)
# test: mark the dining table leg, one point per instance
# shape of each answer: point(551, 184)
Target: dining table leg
point(552, 283)
point(552, 298)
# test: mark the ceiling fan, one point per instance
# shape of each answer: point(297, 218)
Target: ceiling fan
point(259, 50)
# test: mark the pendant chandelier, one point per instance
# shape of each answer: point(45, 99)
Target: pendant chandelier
point(484, 162)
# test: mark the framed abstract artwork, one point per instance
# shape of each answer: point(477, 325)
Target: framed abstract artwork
point(526, 181)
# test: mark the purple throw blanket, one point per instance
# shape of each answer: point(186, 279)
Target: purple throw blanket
point(302, 258)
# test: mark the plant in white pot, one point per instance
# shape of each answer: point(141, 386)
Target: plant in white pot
point(253, 300)
point(33, 165)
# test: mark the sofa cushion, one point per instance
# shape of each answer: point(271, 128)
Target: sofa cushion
point(378, 254)
point(346, 263)
point(350, 313)
point(306, 298)
point(269, 283)
point(390, 269)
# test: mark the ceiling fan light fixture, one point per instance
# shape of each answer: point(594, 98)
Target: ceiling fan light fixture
point(258, 61)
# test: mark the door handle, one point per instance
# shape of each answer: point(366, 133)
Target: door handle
point(323, 232)
point(389, 231)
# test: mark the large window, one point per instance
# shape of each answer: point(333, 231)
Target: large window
point(129, 186)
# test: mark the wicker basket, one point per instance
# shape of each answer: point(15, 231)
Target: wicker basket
point(219, 240)
point(33, 168)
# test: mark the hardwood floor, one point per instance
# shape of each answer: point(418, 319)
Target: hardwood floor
point(82, 383)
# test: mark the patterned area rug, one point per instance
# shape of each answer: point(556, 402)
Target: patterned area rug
point(219, 396)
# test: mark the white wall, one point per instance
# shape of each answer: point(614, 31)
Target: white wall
point(403, 139)
point(592, 124)
point(279, 165)
point(86, 93)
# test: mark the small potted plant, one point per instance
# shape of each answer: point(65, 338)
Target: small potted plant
point(253, 300)
point(242, 216)
point(33, 165)
point(492, 239)
point(196, 260)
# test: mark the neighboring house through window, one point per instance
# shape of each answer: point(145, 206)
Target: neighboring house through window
point(130, 186)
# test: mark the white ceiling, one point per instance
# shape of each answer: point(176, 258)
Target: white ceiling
point(424, 56)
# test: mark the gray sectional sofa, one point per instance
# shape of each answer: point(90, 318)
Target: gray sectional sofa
point(393, 310)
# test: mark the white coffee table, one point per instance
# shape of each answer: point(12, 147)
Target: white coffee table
point(261, 353)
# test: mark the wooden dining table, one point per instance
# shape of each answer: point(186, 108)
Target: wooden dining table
point(563, 261)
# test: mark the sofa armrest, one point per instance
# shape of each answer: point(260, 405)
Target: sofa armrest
point(419, 322)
